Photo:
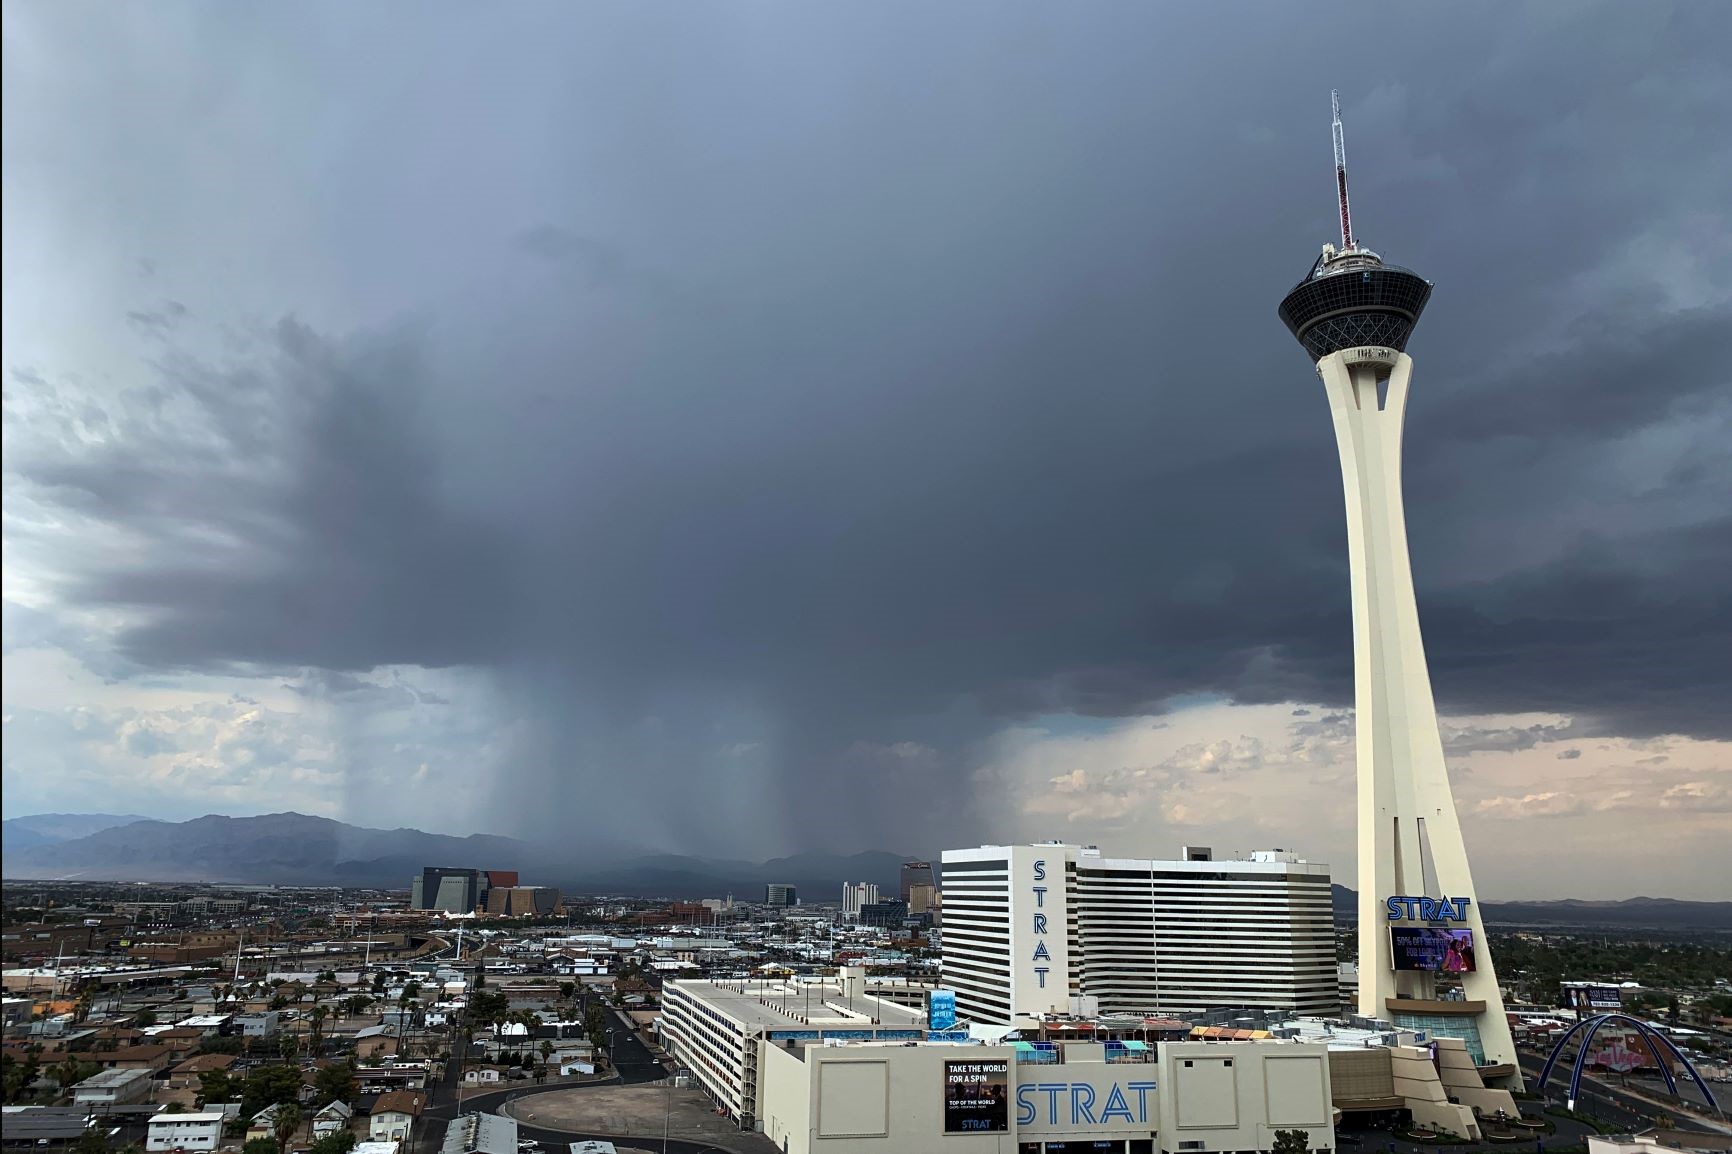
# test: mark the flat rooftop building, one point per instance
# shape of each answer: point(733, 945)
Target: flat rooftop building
point(715, 1028)
point(870, 1074)
point(480, 1134)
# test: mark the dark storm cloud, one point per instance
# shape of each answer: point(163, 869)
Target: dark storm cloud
point(968, 400)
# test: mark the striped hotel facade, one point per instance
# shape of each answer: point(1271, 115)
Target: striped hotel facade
point(1141, 936)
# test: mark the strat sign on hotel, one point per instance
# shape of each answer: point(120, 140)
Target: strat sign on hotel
point(1043, 957)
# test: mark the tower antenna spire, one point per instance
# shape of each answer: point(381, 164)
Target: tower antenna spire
point(1347, 241)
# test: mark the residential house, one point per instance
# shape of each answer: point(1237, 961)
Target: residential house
point(148, 1058)
point(264, 1124)
point(376, 1042)
point(181, 1039)
point(394, 1115)
point(119, 1037)
point(190, 1132)
point(262, 1025)
point(188, 1072)
point(333, 1118)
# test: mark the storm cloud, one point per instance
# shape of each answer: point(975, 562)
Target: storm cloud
point(770, 403)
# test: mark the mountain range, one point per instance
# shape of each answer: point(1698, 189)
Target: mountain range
point(297, 849)
point(49, 828)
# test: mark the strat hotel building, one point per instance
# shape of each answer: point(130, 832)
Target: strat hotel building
point(1057, 928)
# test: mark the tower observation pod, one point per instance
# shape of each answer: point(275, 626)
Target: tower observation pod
point(1424, 962)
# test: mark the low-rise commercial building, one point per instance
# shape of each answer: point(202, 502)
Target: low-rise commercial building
point(715, 1028)
point(113, 1088)
point(202, 1131)
point(481, 1134)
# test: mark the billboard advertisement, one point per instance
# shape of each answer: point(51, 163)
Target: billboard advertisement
point(1432, 950)
point(977, 1097)
point(1592, 998)
point(941, 1009)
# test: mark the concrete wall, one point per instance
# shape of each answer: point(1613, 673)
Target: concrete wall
point(1461, 1081)
point(1225, 1096)
point(884, 1099)
point(869, 1099)
point(784, 1098)
point(1415, 1079)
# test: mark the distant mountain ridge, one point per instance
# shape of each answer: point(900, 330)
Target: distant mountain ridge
point(49, 828)
point(296, 849)
point(286, 848)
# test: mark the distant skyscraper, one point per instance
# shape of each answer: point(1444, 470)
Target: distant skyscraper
point(455, 891)
point(855, 895)
point(916, 873)
point(922, 898)
point(779, 894)
point(1423, 961)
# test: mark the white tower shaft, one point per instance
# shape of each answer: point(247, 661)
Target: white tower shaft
point(1405, 804)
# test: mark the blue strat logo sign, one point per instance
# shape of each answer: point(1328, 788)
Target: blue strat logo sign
point(1082, 1104)
point(1427, 909)
point(1041, 953)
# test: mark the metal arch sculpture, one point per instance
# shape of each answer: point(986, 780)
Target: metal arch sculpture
point(1648, 1034)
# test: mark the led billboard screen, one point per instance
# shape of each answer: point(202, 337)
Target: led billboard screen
point(977, 1097)
point(1592, 998)
point(1432, 950)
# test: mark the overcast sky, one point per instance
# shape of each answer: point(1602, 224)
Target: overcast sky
point(740, 428)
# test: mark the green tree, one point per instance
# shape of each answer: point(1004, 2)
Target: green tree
point(216, 1086)
point(379, 984)
point(20, 1076)
point(260, 1146)
point(334, 1083)
point(487, 1008)
point(1291, 1142)
point(144, 1018)
point(289, 1047)
point(288, 1121)
point(566, 989)
point(268, 1086)
point(316, 1021)
point(70, 1072)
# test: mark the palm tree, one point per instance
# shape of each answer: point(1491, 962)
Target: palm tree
point(316, 1019)
point(285, 1123)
